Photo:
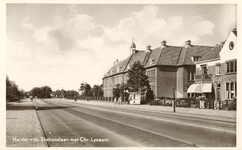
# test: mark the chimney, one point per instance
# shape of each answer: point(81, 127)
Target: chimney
point(116, 61)
point(148, 48)
point(163, 44)
point(188, 43)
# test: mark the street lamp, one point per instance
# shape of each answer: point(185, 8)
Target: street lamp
point(174, 101)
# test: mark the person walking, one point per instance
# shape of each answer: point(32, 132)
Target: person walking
point(75, 98)
point(31, 98)
point(35, 103)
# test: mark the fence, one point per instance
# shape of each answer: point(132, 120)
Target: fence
point(195, 103)
point(167, 101)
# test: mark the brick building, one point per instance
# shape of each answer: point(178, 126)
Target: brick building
point(168, 68)
point(216, 71)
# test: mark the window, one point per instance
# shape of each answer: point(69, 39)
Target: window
point(151, 61)
point(191, 75)
point(204, 69)
point(231, 90)
point(190, 94)
point(118, 69)
point(217, 69)
point(196, 58)
point(151, 74)
point(231, 66)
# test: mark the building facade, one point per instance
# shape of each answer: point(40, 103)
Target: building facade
point(216, 72)
point(168, 68)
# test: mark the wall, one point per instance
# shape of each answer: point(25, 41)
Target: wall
point(182, 79)
point(222, 78)
point(166, 81)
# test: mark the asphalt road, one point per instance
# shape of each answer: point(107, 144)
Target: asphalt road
point(77, 125)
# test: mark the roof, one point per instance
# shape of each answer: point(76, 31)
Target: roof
point(138, 56)
point(121, 64)
point(235, 32)
point(195, 50)
point(213, 54)
point(168, 55)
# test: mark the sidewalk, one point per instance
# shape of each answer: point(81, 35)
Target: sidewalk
point(22, 125)
point(192, 112)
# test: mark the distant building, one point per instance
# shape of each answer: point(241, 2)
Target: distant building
point(216, 71)
point(168, 67)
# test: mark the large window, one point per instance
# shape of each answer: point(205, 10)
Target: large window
point(151, 74)
point(231, 90)
point(231, 66)
point(191, 75)
point(217, 69)
point(204, 69)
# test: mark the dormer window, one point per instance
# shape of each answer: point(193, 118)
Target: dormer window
point(118, 69)
point(196, 58)
point(151, 61)
point(129, 66)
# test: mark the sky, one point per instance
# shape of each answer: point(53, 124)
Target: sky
point(63, 45)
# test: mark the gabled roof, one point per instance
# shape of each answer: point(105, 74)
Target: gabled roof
point(213, 54)
point(167, 55)
point(138, 56)
point(235, 32)
point(121, 64)
point(195, 50)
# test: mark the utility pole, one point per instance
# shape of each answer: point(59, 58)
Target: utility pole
point(174, 100)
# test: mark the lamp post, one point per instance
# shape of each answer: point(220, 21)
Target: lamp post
point(174, 103)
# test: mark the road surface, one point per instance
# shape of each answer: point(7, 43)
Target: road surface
point(78, 125)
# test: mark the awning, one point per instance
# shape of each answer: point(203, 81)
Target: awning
point(196, 88)
point(207, 88)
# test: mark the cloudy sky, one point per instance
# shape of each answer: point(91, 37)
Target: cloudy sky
point(63, 45)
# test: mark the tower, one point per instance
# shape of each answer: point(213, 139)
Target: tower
point(132, 47)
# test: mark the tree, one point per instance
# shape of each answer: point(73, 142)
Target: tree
point(138, 80)
point(149, 95)
point(41, 92)
point(86, 89)
point(57, 93)
point(116, 92)
point(71, 93)
point(45, 91)
point(36, 92)
point(97, 91)
point(12, 91)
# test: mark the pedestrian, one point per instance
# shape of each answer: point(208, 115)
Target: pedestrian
point(31, 98)
point(36, 104)
point(75, 98)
